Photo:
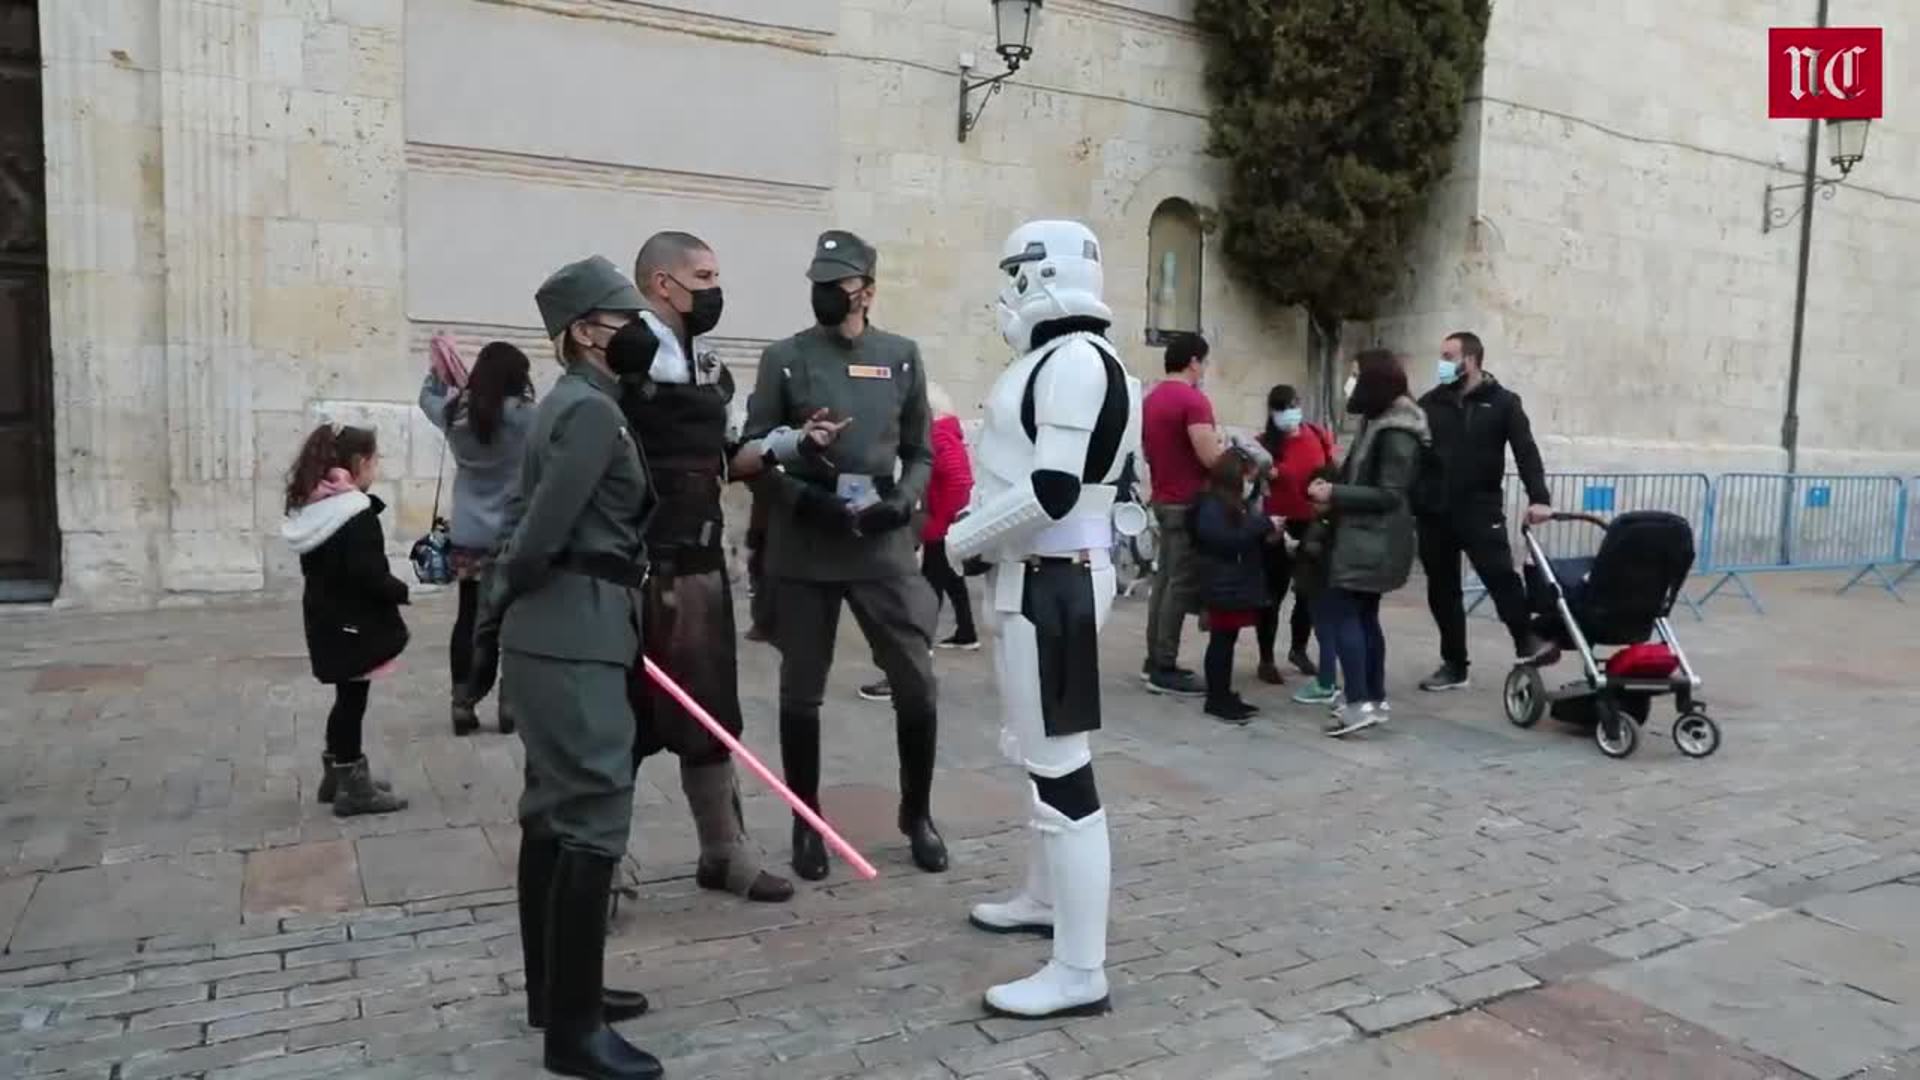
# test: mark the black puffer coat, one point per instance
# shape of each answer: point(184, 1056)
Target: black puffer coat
point(1231, 554)
point(351, 605)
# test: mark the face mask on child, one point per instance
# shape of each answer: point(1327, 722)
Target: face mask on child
point(1288, 419)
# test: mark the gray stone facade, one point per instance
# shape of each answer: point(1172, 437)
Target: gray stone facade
point(260, 210)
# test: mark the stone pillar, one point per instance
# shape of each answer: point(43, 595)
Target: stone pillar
point(100, 91)
point(208, 51)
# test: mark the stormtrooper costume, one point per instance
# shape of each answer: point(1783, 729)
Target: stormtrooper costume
point(1060, 424)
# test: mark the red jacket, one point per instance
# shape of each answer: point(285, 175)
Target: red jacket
point(952, 482)
point(1298, 457)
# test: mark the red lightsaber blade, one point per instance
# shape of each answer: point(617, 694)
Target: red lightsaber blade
point(834, 840)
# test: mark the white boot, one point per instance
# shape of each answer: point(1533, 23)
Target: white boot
point(1074, 982)
point(1029, 911)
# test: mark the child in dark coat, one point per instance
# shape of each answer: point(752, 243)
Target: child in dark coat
point(1230, 534)
point(351, 604)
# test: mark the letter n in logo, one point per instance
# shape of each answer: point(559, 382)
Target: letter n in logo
point(1827, 73)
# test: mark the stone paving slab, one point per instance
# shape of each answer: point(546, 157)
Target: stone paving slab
point(1277, 895)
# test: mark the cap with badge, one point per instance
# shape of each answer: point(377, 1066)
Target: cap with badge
point(581, 288)
point(838, 255)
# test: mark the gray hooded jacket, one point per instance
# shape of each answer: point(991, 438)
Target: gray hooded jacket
point(1373, 539)
point(487, 472)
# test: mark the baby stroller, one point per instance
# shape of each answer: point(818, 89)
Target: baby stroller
point(1621, 596)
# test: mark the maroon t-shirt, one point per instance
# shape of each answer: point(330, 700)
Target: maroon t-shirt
point(1168, 411)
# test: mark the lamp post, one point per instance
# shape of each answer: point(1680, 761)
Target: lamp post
point(1847, 145)
point(1013, 23)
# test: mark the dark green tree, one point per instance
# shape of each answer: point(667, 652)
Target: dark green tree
point(1334, 119)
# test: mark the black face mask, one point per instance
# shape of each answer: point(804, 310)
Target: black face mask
point(704, 315)
point(831, 303)
point(630, 350)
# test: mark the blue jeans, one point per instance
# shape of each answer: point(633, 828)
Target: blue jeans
point(1349, 622)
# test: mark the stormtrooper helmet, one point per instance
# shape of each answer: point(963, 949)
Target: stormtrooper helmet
point(1053, 272)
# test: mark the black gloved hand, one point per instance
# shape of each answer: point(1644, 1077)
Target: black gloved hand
point(890, 513)
point(821, 509)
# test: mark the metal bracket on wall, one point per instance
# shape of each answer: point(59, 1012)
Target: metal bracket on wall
point(1779, 217)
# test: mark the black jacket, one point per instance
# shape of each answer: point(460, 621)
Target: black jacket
point(352, 600)
point(1466, 463)
point(1231, 555)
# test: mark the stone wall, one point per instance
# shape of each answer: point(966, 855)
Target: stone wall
point(1603, 234)
point(224, 203)
point(262, 209)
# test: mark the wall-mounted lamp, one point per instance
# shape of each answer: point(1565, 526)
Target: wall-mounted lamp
point(1013, 22)
point(1847, 145)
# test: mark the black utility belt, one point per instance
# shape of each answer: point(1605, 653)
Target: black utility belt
point(681, 560)
point(1077, 559)
point(612, 569)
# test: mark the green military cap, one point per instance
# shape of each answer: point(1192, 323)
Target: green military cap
point(839, 254)
point(578, 288)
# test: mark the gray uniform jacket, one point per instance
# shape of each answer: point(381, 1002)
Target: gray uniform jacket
point(584, 494)
point(879, 381)
point(487, 473)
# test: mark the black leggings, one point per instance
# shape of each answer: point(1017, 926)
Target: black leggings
point(343, 723)
point(1279, 578)
point(1218, 665)
point(475, 678)
point(948, 583)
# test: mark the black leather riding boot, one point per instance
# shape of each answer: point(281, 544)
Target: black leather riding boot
point(539, 855)
point(800, 757)
point(917, 732)
point(579, 1042)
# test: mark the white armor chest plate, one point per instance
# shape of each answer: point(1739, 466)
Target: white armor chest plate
point(1006, 458)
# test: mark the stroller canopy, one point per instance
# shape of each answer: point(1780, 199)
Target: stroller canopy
point(1636, 577)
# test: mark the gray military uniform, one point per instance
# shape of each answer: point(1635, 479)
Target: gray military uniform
point(876, 379)
point(569, 629)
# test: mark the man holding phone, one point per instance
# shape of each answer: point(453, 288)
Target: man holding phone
point(837, 533)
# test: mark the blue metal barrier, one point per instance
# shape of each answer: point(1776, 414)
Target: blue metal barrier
point(1775, 521)
point(1909, 534)
point(1690, 495)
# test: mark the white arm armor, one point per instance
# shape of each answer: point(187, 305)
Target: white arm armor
point(784, 444)
point(1068, 394)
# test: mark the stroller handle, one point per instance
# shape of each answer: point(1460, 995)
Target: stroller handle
point(1527, 526)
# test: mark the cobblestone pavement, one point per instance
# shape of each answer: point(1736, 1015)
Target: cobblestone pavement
point(1448, 897)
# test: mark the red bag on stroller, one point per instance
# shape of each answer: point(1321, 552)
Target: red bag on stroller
point(1647, 660)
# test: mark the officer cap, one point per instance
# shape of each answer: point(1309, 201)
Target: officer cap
point(578, 288)
point(839, 254)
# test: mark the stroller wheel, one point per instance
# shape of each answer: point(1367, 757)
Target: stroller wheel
point(1525, 696)
point(1696, 735)
point(1616, 734)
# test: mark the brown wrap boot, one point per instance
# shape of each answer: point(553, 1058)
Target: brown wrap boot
point(727, 861)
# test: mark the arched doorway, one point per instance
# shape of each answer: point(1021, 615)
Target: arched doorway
point(29, 538)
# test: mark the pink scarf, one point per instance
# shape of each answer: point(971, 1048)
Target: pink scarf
point(336, 482)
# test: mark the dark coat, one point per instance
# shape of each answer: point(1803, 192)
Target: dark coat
point(1466, 463)
point(1231, 555)
point(352, 601)
point(1373, 542)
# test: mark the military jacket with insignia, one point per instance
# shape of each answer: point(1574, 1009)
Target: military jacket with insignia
point(879, 381)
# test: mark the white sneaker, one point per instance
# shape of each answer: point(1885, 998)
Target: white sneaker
point(1382, 712)
point(1363, 718)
